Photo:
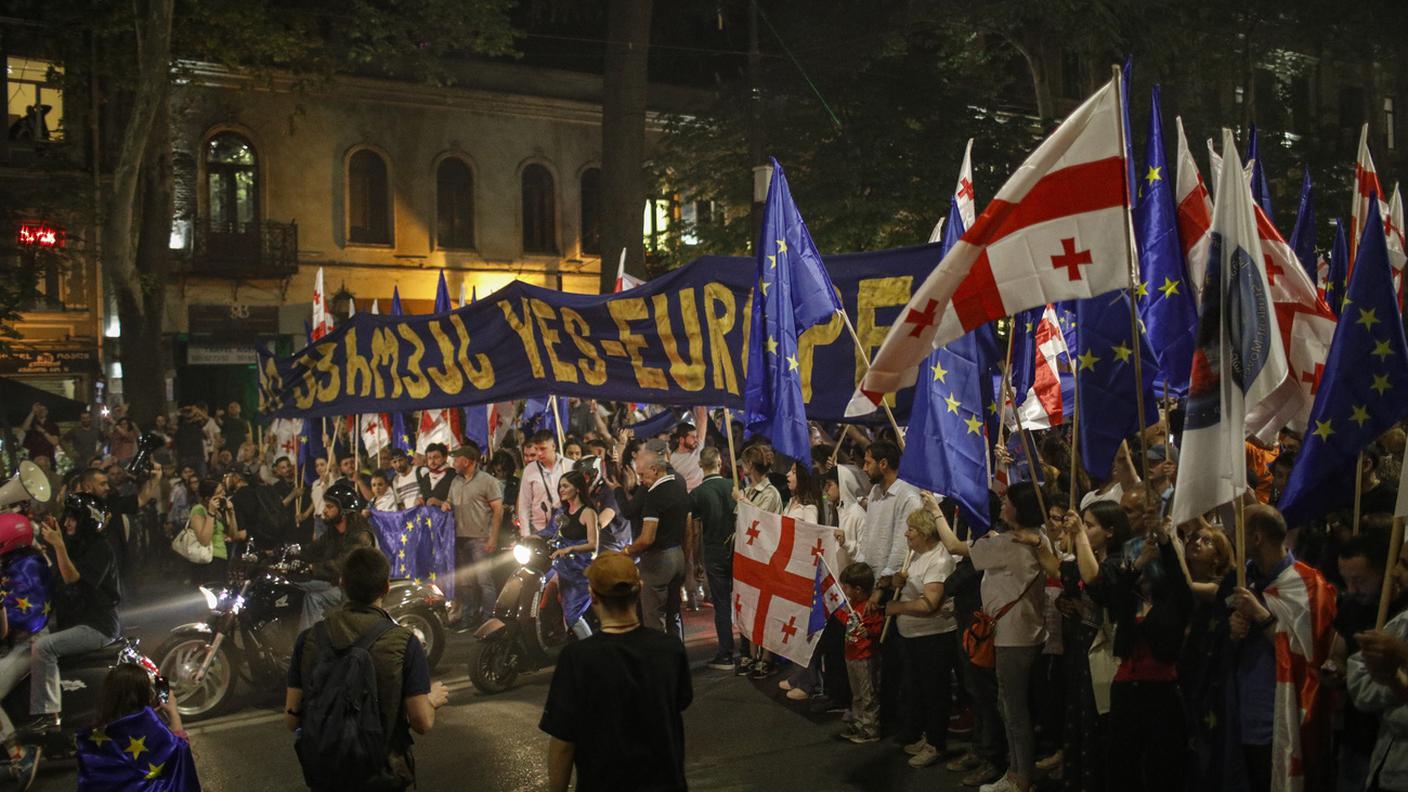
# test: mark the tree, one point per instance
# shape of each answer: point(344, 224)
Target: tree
point(623, 103)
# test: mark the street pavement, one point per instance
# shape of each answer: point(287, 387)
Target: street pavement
point(740, 734)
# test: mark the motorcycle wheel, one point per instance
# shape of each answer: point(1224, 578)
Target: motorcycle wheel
point(179, 659)
point(493, 665)
point(427, 627)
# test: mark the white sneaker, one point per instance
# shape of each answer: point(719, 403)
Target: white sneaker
point(1000, 785)
point(927, 755)
point(915, 747)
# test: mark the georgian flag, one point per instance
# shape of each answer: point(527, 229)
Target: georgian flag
point(1240, 381)
point(434, 428)
point(1043, 406)
point(1397, 245)
point(1057, 230)
point(963, 195)
point(322, 322)
point(1366, 183)
point(376, 433)
point(1304, 605)
point(286, 432)
point(775, 562)
point(1194, 213)
point(624, 281)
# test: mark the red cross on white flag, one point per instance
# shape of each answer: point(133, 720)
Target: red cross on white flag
point(322, 323)
point(774, 579)
point(1055, 231)
point(1366, 183)
point(1042, 406)
point(1194, 213)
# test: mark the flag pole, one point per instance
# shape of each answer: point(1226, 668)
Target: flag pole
point(732, 457)
point(864, 357)
point(1131, 270)
point(885, 631)
point(356, 438)
point(1358, 496)
point(1395, 545)
point(557, 422)
point(1028, 447)
point(1241, 539)
point(1006, 374)
point(1075, 441)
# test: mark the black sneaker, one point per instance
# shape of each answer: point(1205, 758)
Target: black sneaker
point(762, 669)
point(745, 666)
point(721, 662)
point(825, 705)
point(42, 724)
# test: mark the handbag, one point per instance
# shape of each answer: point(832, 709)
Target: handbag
point(1103, 665)
point(978, 637)
point(188, 546)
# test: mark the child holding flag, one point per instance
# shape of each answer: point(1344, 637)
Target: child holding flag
point(862, 658)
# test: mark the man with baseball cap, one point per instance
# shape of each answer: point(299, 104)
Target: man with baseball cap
point(614, 710)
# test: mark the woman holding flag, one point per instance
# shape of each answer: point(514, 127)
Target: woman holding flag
point(576, 544)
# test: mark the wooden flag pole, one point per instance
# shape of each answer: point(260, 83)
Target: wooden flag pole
point(1006, 385)
point(1241, 539)
point(356, 440)
point(864, 357)
point(840, 437)
point(732, 457)
point(1075, 441)
point(557, 422)
point(1028, 446)
point(1395, 546)
point(1358, 495)
point(885, 631)
point(1132, 269)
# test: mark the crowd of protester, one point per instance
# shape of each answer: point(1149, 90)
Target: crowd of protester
point(1123, 652)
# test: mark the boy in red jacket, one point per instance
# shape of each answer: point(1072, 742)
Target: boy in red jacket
point(862, 654)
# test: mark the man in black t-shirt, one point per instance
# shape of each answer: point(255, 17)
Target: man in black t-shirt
point(664, 514)
point(614, 709)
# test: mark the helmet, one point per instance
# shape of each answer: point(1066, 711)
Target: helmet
point(16, 531)
point(88, 510)
point(344, 493)
point(591, 467)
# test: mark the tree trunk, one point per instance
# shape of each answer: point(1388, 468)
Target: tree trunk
point(623, 137)
point(137, 292)
point(1029, 47)
point(143, 357)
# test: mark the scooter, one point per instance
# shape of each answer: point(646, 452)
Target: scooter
point(526, 632)
point(253, 624)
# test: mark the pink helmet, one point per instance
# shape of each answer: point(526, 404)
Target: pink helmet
point(16, 531)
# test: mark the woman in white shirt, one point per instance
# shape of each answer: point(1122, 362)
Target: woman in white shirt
point(843, 488)
point(803, 505)
point(928, 634)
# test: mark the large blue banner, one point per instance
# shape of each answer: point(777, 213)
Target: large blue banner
point(678, 340)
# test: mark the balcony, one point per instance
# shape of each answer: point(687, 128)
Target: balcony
point(245, 250)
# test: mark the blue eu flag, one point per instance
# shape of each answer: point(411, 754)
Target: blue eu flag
point(442, 295)
point(1359, 397)
point(419, 543)
point(1303, 235)
point(1339, 265)
point(793, 293)
point(1261, 188)
point(1166, 302)
point(536, 414)
point(946, 448)
point(400, 437)
point(24, 588)
point(135, 752)
point(1104, 363)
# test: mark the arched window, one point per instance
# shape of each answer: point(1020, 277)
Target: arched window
point(368, 199)
point(539, 211)
point(591, 211)
point(454, 205)
point(231, 183)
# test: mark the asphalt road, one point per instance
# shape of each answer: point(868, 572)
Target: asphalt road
point(740, 735)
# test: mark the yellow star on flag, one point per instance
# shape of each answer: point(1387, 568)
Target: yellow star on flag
point(1380, 384)
point(1154, 174)
point(763, 287)
point(154, 770)
point(1088, 360)
point(952, 404)
point(791, 362)
point(432, 577)
point(1122, 352)
point(1323, 430)
point(1381, 350)
point(772, 261)
point(772, 345)
point(1360, 415)
point(939, 371)
point(992, 408)
point(404, 538)
point(1141, 289)
point(1367, 318)
point(975, 426)
point(781, 246)
point(136, 746)
point(410, 524)
point(1169, 288)
point(98, 737)
point(46, 609)
point(400, 553)
point(416, 581)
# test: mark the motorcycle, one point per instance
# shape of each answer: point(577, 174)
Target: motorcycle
point(82, 678)
point(526, 632)
point(253, 625)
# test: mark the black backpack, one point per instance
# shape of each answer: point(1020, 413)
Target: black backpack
point(343, 742)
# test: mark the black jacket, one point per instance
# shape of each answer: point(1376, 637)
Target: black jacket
point(328, 552)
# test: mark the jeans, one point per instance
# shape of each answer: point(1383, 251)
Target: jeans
point(865, 707)
point(1014, 676)
point(318, 597)
point(928, 671)
point(990, 741)
point(719, 571)
point(661, 575)
point(14, 667)
point(474, 576)
point(45, 694)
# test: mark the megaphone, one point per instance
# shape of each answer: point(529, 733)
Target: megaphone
point(29, 483)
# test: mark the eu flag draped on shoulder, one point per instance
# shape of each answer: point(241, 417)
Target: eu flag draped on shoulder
point(793, 293)
point(1055, 231)
point(1166, 299)
point(1366, 378)
point(135, 752)
point(1240, 383)
point(419, 544)
point(947, 447)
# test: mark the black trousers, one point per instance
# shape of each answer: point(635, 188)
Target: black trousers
point(1147, 737)
point(928, 674)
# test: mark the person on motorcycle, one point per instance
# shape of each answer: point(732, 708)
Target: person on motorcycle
point(613, 532)
point(24, 580)
point(85, 595)
point(576, 542)
point(347, 530)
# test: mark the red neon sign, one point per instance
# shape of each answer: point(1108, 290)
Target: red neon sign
point(40, 235)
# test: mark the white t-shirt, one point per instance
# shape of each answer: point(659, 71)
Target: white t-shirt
point(932, 567)
point(799, 511)
point(385, 502)
point(686, 465)
point(1007, 569)
point(406, 487)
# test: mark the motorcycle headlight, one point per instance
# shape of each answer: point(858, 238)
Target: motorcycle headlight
point(522, 554)
point(211, 598)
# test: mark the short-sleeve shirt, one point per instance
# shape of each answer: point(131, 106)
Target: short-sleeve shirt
point(407, 488)
point(1007, 569)
point(473, 500)
point(686, 465)
point(933, 566)
point(712, 504)
point(619, 698)
point(668, 502)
